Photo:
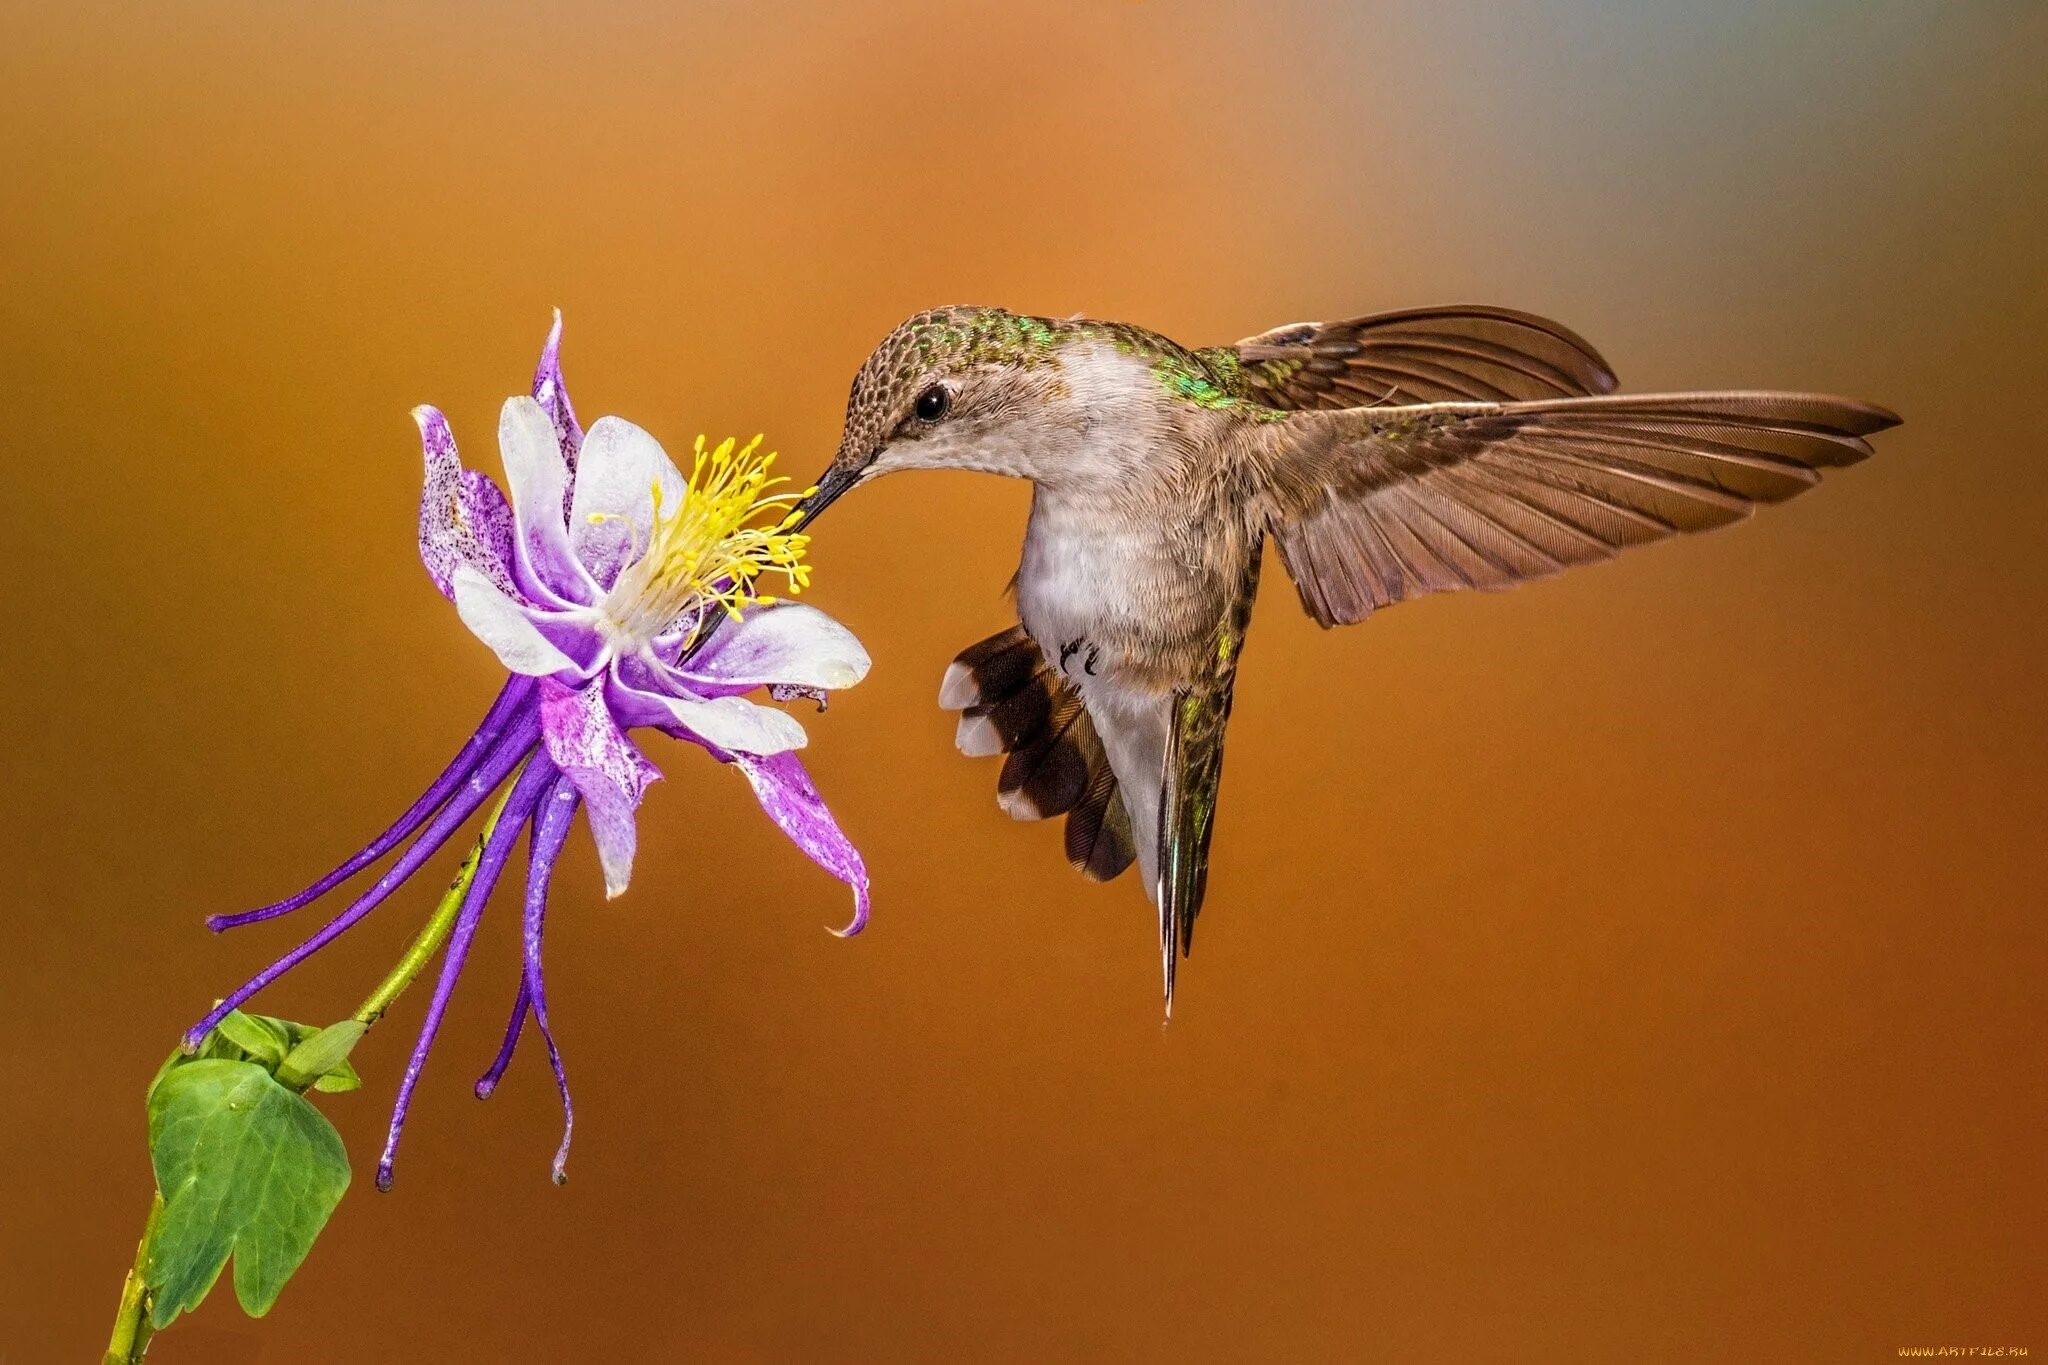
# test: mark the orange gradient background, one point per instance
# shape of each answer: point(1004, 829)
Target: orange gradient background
point(1648, 965)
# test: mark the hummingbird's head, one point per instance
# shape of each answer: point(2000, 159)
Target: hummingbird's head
point(960, 388)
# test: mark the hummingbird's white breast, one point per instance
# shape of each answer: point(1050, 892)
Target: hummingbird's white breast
point(1107, 586)
point(1082, 587)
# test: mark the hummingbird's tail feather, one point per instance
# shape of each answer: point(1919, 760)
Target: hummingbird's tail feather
point(989, 670)
point(1046, 773)
point(1376, 506)
point(1013, 703)
point(1099, 842)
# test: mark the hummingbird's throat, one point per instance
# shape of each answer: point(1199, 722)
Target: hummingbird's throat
point(707, 550)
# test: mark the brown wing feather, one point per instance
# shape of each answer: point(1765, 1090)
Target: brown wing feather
point(1372, 507)
point(1012, 703)
point(1457, 353)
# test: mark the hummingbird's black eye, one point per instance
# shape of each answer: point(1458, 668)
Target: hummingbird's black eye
point(932, 403)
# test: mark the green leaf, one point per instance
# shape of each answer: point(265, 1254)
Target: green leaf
point(247, 1168)
point(321, 1058)
point(176, 1059)
point(261, 1038)
point(339, 1080)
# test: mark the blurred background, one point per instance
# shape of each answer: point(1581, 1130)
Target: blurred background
point(1643, 965)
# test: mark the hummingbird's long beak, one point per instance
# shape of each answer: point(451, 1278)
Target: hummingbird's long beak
point(836, 480)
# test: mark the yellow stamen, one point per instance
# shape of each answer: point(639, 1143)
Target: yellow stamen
point(707, 551)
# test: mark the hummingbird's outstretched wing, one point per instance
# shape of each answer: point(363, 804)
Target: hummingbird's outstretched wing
point(1372, 506)
point(1192, 770)
point(1011, 702)
point(1457, 353)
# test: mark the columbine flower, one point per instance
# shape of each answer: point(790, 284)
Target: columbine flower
point(622, 594)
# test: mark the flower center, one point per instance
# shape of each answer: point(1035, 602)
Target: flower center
point(707, 552)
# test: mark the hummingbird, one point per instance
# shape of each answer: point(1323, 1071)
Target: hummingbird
point(1386, 457)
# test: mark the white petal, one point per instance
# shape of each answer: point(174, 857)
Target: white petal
point(538, 478)
point(787, 643)
point(736, 724)
point(499, 622)
point(613, 509)
point(617, 471)
point(534, 468)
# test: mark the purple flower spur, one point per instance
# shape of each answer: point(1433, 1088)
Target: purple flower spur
point(621, 594)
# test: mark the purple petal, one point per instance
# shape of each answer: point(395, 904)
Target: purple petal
point(526, 792)
point(609, 773)
point(792, 802)
point(514, 1026)
point(551, 391)
point(474, 790)
point(550, 829)
point(464, 519)
point(517, 692)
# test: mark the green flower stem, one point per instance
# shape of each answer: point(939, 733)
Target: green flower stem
point(435, 932)
point(131, 1321)
point(132, 1329)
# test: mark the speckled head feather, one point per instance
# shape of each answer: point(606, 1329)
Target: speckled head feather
point(938, 342)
